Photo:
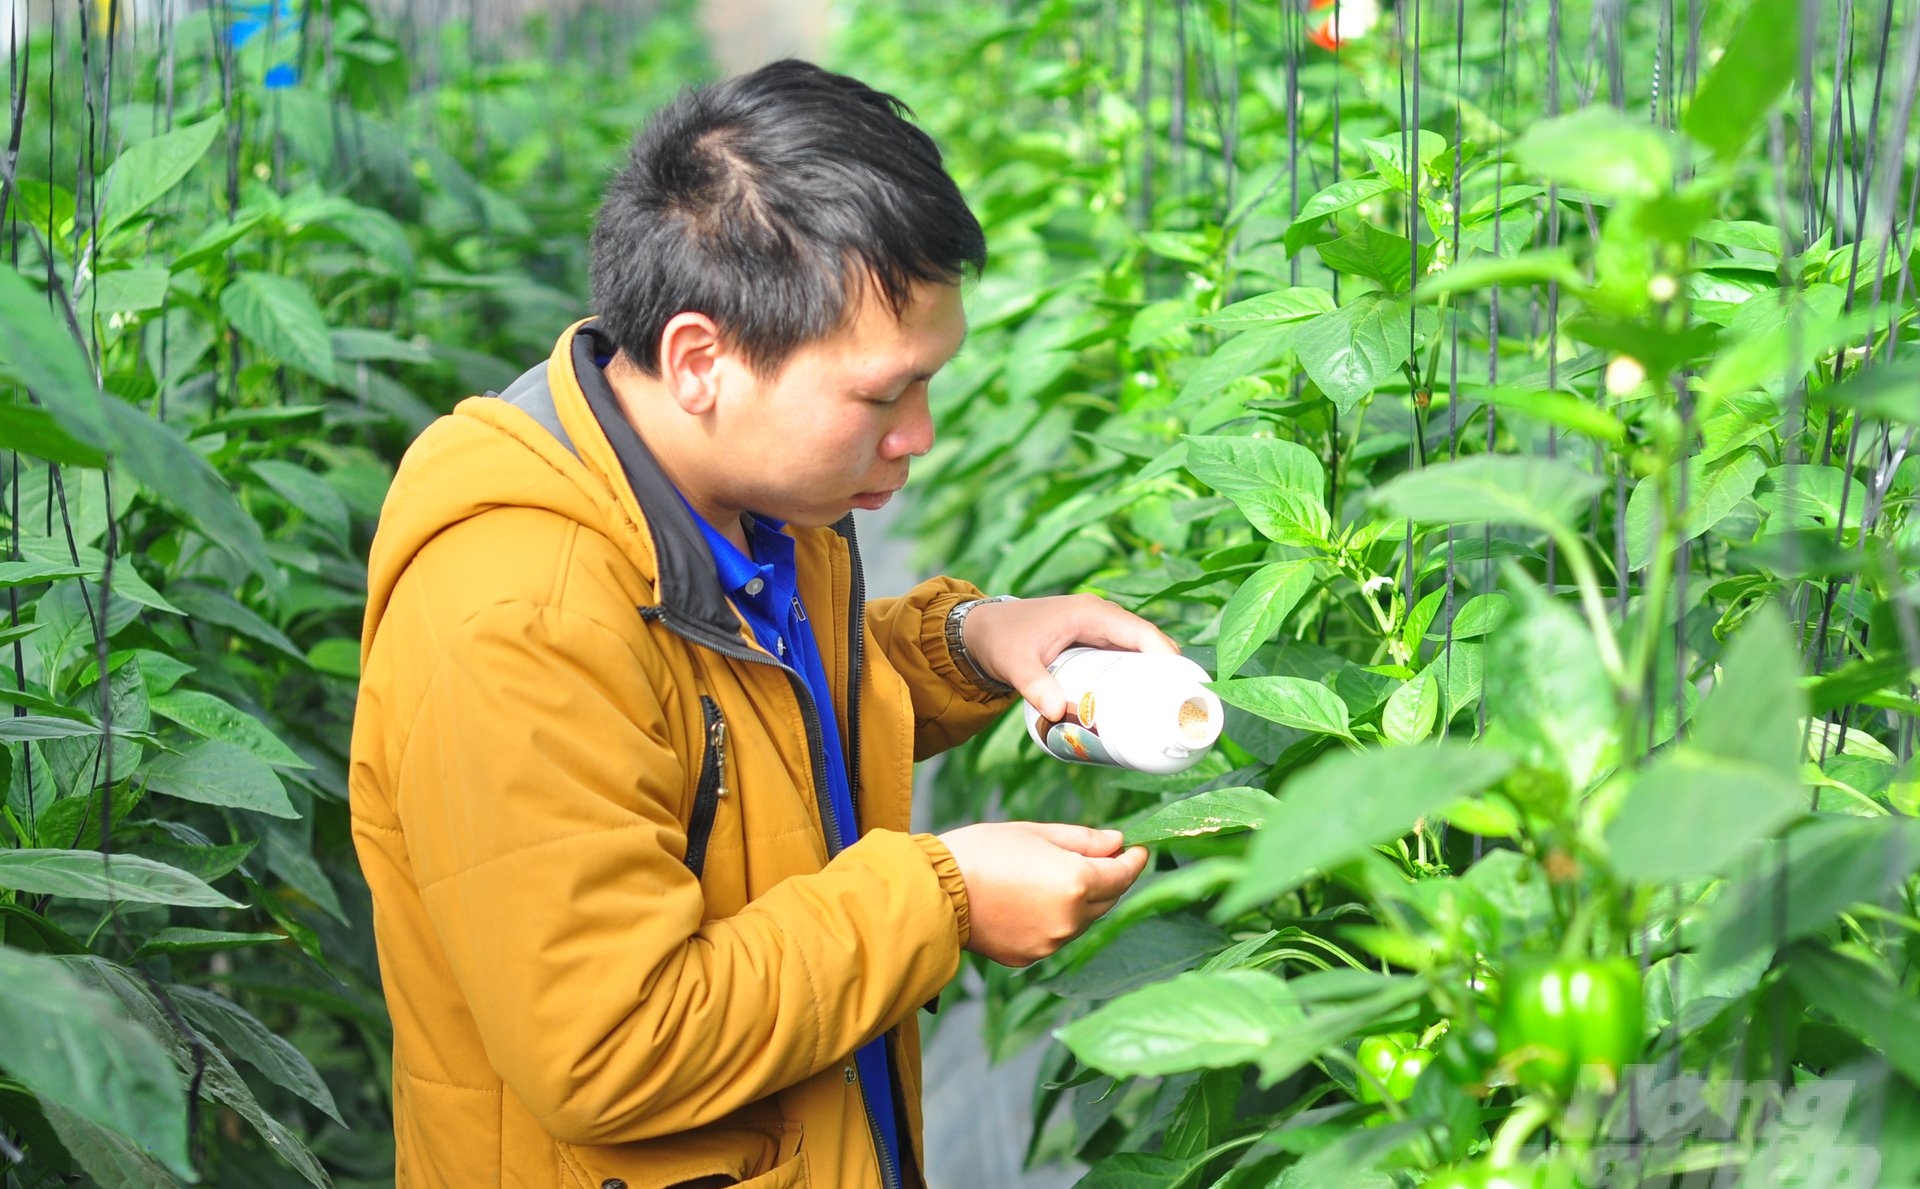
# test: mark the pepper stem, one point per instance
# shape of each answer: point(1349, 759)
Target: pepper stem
point(1527, 1118)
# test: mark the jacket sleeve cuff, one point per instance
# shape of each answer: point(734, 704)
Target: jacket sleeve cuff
point(947, 870)
point(933, 642)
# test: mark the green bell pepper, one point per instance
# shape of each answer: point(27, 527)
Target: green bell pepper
point(1390, 1062)
point(1560, 1016)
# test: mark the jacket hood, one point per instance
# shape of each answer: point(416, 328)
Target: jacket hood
point(555, 441)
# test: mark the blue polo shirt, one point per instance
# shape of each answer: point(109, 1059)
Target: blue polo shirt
point(764, 588)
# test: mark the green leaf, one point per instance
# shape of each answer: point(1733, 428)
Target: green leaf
point(1864, 999)
point(175, 940)
point(1547, 688)
point(1578, 414)
point(1185, 247)
point(1598, 148)
point(37, 726)
point(1389, 156)
point(47, 937)
point(222, 609)
point(1411, 710)
point(381, 236)
point(278, 315)
point(1755, 710)
point(1258, 608)
point(1777, 341)
point(1246, 354)
point(1856, 680)
point(1193, 1021)
point(1692, 814)
point(1333, 811)
point(1216, 811)
point(1756, 66)
point(1153, 950)
point(1272, 309)
point(357, 343)
point(1290, 701)
point(215, 772)
point(212, 244)
point(1349, 352)
point(1137, 1170)
point(308, 492)
point(220, 1081)
point(1701, 808)
point(124, 291)
point(1479, 615)
point(1828, 865)
point(1339, 196)
point(1799, 496)
point(1492, 489)
point(1484, 272)
point(1889, 390)
point(257, 1045)
point(144, 173)
point(181, 477)
point(37, 350)
point(1763, 238)
point(1712, 491)
point(338, 656)
point(35, 432)
point(1419, 619)
point(1379, 256)
point(1291, 1050)
point(213, 717)
point(86, 875)
point(30, 573)
point(1277, 484)
point(110, 1159)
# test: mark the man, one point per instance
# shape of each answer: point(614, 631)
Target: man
point(633, 755)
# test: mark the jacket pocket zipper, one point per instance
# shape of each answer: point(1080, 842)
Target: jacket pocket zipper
point(712, 786)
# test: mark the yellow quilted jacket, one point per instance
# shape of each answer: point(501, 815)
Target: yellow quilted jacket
point(555, 697)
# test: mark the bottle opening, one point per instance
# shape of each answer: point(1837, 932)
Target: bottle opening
point(1196, 726)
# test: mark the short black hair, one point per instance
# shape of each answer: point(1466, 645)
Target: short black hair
point(770, 203)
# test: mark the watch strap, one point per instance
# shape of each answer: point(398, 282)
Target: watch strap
point(957, 645)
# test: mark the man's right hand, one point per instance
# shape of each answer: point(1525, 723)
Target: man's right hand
point(1034, 886)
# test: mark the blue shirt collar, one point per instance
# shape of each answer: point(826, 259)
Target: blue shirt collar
point(772, 562)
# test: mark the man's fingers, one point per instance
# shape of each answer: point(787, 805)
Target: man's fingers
point(1115, 875)
point(1044, 693)
point(1081, 840)
point(1134, 634)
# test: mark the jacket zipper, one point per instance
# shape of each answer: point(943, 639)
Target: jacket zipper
point(816, 746)
point(711, 787)
point(889, 1172)
point(730, 646)
point(856, 650)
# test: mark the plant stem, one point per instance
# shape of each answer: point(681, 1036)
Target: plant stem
point(1527, 1118)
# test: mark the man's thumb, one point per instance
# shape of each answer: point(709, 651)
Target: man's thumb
point(1046, 695)
point(1081, 840)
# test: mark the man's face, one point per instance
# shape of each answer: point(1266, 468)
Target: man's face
point(836, 427)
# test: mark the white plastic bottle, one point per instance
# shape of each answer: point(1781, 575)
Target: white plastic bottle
point(1150, 712)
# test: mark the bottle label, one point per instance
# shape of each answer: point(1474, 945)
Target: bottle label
point(1076, 744)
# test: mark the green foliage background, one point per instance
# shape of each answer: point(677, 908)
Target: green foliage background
point(1513, 410)
point(298, 234)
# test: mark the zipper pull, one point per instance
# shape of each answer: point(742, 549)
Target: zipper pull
point(718, 737)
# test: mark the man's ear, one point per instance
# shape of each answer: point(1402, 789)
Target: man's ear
point(690, 353)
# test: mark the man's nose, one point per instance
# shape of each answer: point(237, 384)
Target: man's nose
point(912, 436)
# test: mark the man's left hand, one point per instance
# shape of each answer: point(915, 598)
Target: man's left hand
point(1016, 641)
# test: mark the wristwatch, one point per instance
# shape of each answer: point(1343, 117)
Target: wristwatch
point(957, 645)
